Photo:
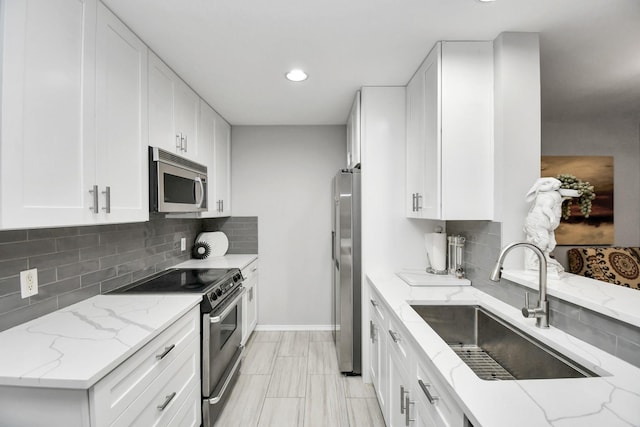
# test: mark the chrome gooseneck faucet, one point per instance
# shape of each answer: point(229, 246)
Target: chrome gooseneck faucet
point(541, 312)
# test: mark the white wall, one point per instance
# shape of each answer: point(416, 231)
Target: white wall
point(516, 131)
point(283, 175)
point(390, 240)
point(604, 136)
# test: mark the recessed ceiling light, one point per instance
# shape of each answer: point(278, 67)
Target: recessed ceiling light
point(296, 75)
point(486, 1)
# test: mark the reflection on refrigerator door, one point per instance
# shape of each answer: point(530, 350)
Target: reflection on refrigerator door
point(346, 309)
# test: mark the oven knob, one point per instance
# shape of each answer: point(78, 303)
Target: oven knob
point(214, 297)
point(219, 292)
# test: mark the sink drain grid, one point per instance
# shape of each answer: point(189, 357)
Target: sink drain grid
point(483, 365)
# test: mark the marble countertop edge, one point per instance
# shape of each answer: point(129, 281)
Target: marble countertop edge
point(612, 400)
point(61, 342)
point(610, 300)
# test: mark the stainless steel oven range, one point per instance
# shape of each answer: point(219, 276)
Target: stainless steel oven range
point(221, 327)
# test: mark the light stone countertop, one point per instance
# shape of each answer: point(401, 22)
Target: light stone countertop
point(76, 346)
point(610, 400)
point(605, 298)
point(226, 261)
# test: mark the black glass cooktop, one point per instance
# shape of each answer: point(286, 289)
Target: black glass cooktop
point(196, 280)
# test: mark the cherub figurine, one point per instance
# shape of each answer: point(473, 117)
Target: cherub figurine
point(543, 218)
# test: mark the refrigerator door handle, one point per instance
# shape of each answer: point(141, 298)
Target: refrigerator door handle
point(333, 245)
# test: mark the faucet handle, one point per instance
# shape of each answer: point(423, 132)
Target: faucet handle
point(527, 311)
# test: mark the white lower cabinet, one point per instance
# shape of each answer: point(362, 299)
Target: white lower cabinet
point(149, 387)
point(159, 385)
point(401, 404)
point(409, 390)
point(434, 406)
point(378, 369)
point(250, 300)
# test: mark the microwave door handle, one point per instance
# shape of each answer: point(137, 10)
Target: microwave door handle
point(199, 181)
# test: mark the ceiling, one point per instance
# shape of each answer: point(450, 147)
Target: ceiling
point(235, 53)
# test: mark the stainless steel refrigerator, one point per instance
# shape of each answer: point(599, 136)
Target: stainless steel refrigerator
point(347, 280)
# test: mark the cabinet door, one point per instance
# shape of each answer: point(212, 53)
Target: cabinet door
point(252, 306)
point(47, 107)
point(415, 146)
point(467, 130)
point(353, 133)
point(378, 368)
point(186, 113)
point(430, 203)
point(399, 390)
point(206, 155)
point(121, 95)
point(223, 166)
point(162, 120)
point(250, 300)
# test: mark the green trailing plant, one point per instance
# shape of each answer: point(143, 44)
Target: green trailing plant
point(586, 194)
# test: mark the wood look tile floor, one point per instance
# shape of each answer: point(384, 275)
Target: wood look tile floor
point(291, 379)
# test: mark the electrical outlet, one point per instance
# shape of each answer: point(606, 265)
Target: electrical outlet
point(183, 244)
point(29, 282)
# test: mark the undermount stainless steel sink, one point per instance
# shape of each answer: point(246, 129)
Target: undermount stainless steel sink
point(495, 349)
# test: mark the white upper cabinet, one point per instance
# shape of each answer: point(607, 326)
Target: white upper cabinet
point(353, 133)
point(214, 143)
point(173, 111)
point(73, 116)
point(206, 138)
point(48, 70)
point(450, 134)
point(187, 104)
point(222, 148)
point(121, 121)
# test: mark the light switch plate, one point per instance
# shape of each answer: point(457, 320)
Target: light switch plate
point(29, 282)
point(183, 244)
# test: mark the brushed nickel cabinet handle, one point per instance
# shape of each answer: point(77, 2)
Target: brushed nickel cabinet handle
point(407, 412)
point(402, 400)
point(394, 336)
point(107, 197)
point(94, 193)
point(179, 141)
point(165, 352)
point(425, 388)
point(167, 400)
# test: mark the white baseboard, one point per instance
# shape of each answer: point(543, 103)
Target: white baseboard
point(294, 327)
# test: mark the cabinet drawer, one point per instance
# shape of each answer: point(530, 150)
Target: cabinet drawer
point(190, 413)
point(162, 400)
point(399, 343)
point(435, 400)
point(116, 391)
point(375, 304)
point(250, 272)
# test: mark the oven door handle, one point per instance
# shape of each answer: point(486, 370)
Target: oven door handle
point(214, 400)
point(229, 306)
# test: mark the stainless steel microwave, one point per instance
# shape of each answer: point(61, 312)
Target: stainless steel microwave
point(176, 184)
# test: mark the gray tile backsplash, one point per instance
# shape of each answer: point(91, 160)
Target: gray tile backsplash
point(242, 232)
point(75, 263)
point(481, 251)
